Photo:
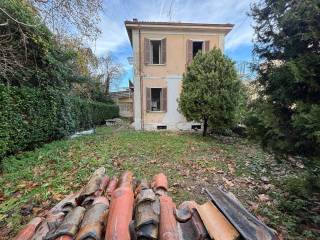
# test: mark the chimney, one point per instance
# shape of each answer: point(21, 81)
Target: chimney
point(135, 19)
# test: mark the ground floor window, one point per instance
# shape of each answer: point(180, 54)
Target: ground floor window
point(125, 107)
point(156, 99)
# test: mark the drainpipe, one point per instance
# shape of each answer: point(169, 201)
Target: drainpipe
point(140, 79)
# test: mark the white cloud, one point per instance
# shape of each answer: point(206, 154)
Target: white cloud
point(114, 35)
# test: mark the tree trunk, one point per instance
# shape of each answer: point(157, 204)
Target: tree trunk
point(205, 126)
point(107, 86)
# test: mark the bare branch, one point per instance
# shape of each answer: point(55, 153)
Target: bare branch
point(5, 23)
point(71, 17)
point(15, 20)
point(109, 71)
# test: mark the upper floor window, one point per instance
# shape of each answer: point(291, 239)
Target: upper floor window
point(155, 51)
point(197, 46)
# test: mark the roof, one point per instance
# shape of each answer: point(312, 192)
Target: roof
point(121, 94)
point(135, 24)
point(177, 24)
point(126, 208)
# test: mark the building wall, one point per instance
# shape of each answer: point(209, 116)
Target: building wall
point(176, 52)
point(168, 75)
point(125, 106)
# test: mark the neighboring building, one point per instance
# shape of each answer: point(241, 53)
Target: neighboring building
point(124, 99)
point(161, 53)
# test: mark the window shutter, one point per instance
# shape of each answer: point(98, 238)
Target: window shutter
point(146, 51)
point(148, 99)
point(164, 100)
point(189, 51)
point(206, 46)
point(163, 51)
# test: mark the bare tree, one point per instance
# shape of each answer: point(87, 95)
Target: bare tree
point(66, 18)
point(71, 17)
point(13, 43)
point(108, 72)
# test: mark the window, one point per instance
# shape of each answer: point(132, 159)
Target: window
point(196, 127)
point(125, 107)
point(196, 47)
point(155, 51)
point(193, 47)
point(156, 99)
point(161, 127)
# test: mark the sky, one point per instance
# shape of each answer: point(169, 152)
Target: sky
point(114, 40)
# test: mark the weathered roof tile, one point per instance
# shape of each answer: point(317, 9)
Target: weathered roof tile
point(111, 209)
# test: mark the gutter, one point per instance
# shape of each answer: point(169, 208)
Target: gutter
point(140, 79)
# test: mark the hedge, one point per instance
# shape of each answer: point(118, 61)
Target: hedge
point(30, 117)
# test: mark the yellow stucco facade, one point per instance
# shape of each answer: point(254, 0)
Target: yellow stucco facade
point(167, 74)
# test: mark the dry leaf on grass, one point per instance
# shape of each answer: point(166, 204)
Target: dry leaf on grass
point(226, 181)
point(264, 198)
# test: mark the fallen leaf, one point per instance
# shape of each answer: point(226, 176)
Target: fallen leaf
point(229, 183)
point(253, 206)
point(264, 198)
point(231, 168)
point(267, 187)
point(299, 165)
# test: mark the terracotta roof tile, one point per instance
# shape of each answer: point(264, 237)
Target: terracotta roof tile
point(117, 210)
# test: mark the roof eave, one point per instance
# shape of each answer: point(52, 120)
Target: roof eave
point(222, 28)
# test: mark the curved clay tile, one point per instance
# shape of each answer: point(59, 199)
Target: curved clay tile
point(29, 230)
point(168, 224)
point(93, 221)
point(111, 187)
point(121, 208)
point(92, 186)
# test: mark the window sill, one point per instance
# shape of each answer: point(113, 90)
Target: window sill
point(151, 64)
point(156, 111)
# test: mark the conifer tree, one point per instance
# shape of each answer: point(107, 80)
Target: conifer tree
point(287, 36)
point(210, 91)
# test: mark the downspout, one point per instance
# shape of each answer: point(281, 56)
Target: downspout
point(140, 79)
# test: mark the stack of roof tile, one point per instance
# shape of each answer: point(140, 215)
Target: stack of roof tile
point(123, 209)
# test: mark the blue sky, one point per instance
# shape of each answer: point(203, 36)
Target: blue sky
point(114, 40)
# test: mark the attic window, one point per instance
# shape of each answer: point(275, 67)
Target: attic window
point(197, 47)
point(155, 51)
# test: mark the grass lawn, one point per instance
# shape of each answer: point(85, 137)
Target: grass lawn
point(34, 181)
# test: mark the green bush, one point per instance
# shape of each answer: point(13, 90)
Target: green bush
point(30, 117)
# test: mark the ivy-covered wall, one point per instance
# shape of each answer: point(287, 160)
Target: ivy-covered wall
point(30, 117)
